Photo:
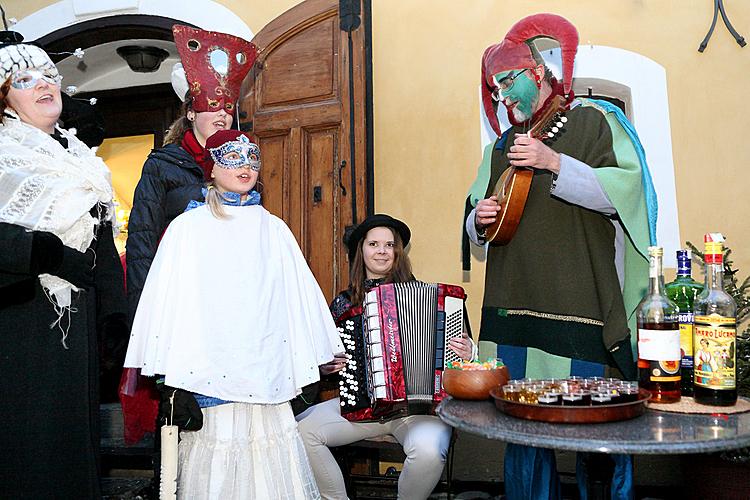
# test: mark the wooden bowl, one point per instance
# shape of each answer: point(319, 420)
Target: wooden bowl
point(474, 384)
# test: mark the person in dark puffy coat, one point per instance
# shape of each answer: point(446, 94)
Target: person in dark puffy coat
point(171, 177)
point(174, 174)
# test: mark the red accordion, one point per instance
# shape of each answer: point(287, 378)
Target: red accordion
point(398, 349)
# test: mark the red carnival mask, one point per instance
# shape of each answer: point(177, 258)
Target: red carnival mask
point(517, 51)
point(215, 65)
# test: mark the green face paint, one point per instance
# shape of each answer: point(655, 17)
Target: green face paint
point(522, 95)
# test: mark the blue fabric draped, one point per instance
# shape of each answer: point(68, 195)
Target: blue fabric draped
point(652, 205)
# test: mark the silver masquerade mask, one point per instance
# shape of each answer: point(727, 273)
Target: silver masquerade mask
point(237, 154)
point(28, 78)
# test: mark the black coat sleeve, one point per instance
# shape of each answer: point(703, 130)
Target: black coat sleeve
point(111, 312)
point(145, 227)
point(17, 274)
point(108, 275)
point(15, 258)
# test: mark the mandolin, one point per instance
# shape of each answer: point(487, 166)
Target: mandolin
point(512, 188)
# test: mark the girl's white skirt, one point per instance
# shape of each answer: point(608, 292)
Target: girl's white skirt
point(245, 451)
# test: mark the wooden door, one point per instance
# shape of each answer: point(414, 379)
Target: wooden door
point(298, 100)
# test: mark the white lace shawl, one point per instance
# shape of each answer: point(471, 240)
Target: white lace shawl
point(44, 187)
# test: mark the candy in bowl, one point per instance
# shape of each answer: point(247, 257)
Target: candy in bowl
point(474, 380)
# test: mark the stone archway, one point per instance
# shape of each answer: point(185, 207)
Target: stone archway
point(206, 14)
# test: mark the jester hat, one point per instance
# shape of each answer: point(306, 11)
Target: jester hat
point(215, 65)
point(517, 51)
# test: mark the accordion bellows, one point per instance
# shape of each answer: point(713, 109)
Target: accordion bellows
point(398, 349)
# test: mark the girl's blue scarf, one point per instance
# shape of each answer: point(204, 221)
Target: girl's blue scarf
point(232, 199)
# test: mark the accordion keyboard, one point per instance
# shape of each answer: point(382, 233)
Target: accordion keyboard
point(398, 348)
point(353, 391)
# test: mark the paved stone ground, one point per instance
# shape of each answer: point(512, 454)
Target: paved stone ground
point(477, 474)
point(478, 466)
point(480, 460)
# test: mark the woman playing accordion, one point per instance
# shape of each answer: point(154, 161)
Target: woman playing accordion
point(377, 256)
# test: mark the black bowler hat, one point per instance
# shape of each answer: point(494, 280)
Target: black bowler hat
point(351, 239)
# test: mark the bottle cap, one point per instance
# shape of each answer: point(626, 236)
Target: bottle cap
point(656, 251)
point(683, 261)
point(654, 261)
point(714, 248)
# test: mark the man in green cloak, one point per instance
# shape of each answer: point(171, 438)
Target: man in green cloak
point(560, 296)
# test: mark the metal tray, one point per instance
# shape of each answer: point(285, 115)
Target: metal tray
point(572, 414)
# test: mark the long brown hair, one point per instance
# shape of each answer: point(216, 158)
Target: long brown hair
point(180, 125)
point(4, 89)
point(400, 270)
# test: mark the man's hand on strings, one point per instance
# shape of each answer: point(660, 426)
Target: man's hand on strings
point(529, 152)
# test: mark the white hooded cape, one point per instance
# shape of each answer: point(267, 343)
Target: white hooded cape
point(230, 309)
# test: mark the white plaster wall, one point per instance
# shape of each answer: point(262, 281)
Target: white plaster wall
point(206, 14)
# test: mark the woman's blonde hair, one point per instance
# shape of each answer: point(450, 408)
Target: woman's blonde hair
point(215, 202)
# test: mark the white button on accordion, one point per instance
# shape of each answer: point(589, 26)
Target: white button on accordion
point(398, 349)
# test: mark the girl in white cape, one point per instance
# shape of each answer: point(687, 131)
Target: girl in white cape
point(233, 320)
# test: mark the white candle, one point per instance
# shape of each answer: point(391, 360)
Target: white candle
point(168, 485)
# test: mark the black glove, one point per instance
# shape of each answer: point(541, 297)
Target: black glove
point(46, 252)
point(113, 344)
point(307, 398)
point(113, 340)
point(187, 414)
point(77, 268)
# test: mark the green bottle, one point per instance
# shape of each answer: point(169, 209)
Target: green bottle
point(683, 292)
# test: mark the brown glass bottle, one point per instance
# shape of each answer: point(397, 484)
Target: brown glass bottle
point(661, 378)
point(658, 337)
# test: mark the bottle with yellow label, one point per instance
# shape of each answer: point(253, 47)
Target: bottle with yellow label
point(715, 333)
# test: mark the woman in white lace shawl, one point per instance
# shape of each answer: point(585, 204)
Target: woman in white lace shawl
point(61, 285)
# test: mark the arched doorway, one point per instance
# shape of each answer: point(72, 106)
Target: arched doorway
point(134, 108)
point(322, 158)
point(131, 103)
point(305, 130)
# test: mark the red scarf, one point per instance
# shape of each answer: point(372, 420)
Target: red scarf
point(200, 155)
